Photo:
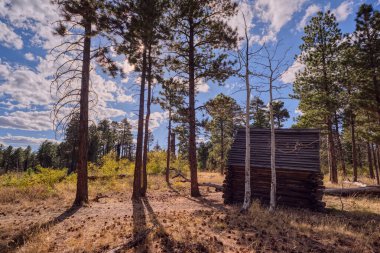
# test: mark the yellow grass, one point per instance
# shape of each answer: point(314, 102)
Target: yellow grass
point(178, 222)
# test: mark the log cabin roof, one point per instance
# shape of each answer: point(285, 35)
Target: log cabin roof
point(296, 149)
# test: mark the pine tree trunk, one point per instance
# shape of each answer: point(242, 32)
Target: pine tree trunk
point(222, 148)
point(140, 128)
point(147, 117)
point(340, 148)
point(247, 164)
point(172, 144)
point(370, 164)
point(331, 153)
point(354, 151)
point(272, 204)
point(192, 124)
point(72, 165)
point(376, 163)
point(168, 151)
point(82, 181)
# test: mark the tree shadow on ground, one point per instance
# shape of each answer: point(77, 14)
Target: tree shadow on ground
point(21, 238)
point(168, 243)
point(166, 240)
point(214, 204)
point(297, 230)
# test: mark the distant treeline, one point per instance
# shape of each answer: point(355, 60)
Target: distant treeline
point(104, 137)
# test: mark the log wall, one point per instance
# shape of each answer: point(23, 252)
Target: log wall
point(299, 180)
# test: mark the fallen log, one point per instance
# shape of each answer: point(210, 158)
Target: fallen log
point(218, 188)
point(120, 176)
point(373, 191)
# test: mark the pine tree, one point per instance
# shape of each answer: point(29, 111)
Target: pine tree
point(316, 86)
point(367, 41)
point(200, 36)
point(259, 113)
point(171, 99)
point(225, 117)
point(280, 114)
point(81, 21)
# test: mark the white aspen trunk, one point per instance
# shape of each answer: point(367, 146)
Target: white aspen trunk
point(273, 185)
point(247, 181)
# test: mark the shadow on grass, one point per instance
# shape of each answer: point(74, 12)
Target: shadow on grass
point(298, 230)
point(169, 244)
point(201, 200)
point(167, 241)
point(21, 238)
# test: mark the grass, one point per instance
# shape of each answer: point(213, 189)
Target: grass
point(34, 211)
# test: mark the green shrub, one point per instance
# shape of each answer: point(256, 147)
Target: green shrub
point(42, 176)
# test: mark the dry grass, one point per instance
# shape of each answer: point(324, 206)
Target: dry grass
point(179, 223)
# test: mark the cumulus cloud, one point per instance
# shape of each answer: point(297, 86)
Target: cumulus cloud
point(157, 118)
point(343, 10)
point(18, 140)
point(24, 87)
point(202, 87)
point(276, 13)
point(245, 11)
point(29, 56)
point(31, 120)
point(310, 11)
point(289, 75)
point(35, 16)
point(9, 38)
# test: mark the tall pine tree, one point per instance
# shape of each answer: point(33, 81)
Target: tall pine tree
point(201, 35)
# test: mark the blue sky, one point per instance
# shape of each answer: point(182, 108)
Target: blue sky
point(26, 65)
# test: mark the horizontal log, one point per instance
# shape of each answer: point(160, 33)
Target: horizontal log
point(120, 176)
point(373, 191)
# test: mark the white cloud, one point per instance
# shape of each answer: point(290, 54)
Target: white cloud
point(343, 10)
point(9, 38)
point(245, 11)
point(289, 75)
point(310, 11)
point(32, 120)
point(36, 16)
point(122, 97)
point(276, 13)
point(18, 140)
point(24, 86)
point(156, 118)
point(29, 56)
point(202, 87)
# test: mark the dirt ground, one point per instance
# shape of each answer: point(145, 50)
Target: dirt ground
point(171, 221)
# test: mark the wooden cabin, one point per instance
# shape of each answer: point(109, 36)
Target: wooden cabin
point(299, 178)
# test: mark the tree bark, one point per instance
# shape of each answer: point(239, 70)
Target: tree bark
point(331, 153)
point(168, 151)
point(354, 151)
point(147, 117)
point(370, 164)
point(192, 124)
point(272, 203)
point(374, 157)
point(140, 128)
point(222, 147)
point(340, 148)
point(82, 177)
point(172, 145)
point(378, 165)
point(247, 165)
